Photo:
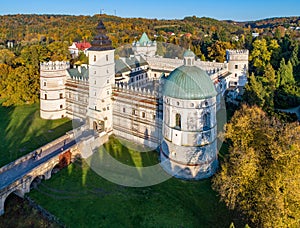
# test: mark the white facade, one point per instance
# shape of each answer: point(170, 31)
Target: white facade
point(52, 89)
point(101, 79)
point(238, 66)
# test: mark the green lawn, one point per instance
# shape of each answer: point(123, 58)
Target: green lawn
point(81, 198)
point(22, 130)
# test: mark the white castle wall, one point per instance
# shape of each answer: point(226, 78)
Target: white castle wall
point(52, 89)
point(238, 66)
point(136, 115)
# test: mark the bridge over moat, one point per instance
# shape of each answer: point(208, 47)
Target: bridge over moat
point(18, 176)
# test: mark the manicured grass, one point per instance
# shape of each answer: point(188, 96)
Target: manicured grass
point(22, 130)
point(81, 198)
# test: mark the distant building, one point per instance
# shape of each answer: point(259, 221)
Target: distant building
point(10, 43)
point(76, 48)
point(255, 34)
point(144, 46)
point(164, 103)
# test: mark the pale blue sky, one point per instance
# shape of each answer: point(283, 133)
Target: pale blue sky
point(239, 10)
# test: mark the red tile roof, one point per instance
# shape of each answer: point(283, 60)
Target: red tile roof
point(83, 46)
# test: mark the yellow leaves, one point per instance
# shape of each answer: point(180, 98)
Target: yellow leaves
point(261, 176)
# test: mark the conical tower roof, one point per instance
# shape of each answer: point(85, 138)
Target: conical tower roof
point(101, 41)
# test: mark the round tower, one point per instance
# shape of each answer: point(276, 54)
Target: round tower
point(52, 89)
point(189, 146)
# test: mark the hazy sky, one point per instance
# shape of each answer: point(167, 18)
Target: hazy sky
point(239, 10)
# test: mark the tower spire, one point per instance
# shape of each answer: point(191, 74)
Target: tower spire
point(101, 41)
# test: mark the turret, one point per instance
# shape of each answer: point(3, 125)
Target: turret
point(52, 89)
point(238, 66)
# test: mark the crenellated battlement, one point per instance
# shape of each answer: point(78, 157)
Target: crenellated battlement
point(135, 90)
point(237, 51)
point(239, 55)
point(57, 65)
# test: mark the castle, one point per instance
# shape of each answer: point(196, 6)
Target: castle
point(165, 103)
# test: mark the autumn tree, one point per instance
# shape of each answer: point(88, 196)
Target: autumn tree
point(217, 51)
point(261, 175)
point(262, 53)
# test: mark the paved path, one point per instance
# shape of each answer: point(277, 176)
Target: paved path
point(11, 175)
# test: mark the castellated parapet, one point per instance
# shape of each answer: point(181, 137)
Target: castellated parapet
point(237, 55)
point(52, 89)
point(57, 65)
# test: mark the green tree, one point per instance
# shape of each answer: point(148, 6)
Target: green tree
point(269, 79)
point(254, 92)
point(285, 74)
point(294, 57)
point(261, 53)
point(261, 175)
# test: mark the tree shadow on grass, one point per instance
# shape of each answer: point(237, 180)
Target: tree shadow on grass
point(22, 131)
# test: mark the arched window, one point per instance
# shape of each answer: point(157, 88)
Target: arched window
point(178, 121)
point(189, 62)
point(206, 121)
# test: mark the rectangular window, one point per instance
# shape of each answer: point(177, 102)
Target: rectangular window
point(60, 96)
point(107, 107)
point(45, 96)
point(45, 83)
point(95, 107)
point(106, 58)
point(143, 114)
point(107, 92)
point(61, 106)
point(235, 74)
point(107, 81)
point(95, 82)
point(95, 58)
point(124, 110)
point(154, 116)
point(95, 72)
point(236, 66)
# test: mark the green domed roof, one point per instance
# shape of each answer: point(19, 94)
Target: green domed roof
point(188, 53)
point(189, 83)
